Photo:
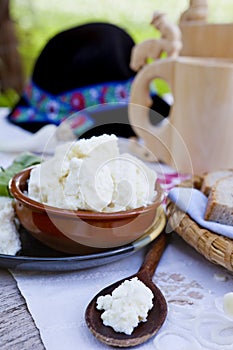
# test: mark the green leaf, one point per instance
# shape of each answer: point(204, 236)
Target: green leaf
point(21, 162)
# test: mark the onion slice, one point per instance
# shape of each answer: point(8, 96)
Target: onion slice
point(215, 328)
point(219, 336)
point(176, 340)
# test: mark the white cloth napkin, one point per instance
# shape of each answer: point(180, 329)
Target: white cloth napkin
point(15, 139)
point(57, 301)
point(193, 202)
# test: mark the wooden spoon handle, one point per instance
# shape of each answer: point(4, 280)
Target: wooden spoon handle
point(153, 256)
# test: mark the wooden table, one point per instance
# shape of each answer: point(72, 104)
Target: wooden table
point(15, 318)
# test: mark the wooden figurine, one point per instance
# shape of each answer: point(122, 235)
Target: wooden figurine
point(169, 42)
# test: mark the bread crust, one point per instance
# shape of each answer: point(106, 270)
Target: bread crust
point(220, 202)
point(209, 179)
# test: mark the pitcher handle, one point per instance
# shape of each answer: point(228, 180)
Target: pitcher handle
point(156, 138)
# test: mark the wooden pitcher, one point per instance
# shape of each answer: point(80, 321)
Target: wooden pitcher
point(201, 38)
point(198, 134)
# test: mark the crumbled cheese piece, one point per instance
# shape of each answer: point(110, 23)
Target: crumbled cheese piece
point(127, 306)
point(91, 174)
point(228, 304)
point(9, 237)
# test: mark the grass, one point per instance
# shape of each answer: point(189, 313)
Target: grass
point(37, 21)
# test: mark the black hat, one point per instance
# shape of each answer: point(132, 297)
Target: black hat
point(81, 67)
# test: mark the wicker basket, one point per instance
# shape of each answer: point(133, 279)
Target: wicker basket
point(214, 247)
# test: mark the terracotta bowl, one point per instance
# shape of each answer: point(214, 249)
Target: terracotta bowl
point(81, 231)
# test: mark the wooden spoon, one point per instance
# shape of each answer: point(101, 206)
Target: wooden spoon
point(156, 315)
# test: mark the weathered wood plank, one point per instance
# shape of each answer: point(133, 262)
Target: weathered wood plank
point(17, 328)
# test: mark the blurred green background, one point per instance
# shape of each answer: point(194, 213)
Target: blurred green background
point(37, 21)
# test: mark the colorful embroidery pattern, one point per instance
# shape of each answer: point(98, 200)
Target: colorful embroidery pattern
point(47, 108)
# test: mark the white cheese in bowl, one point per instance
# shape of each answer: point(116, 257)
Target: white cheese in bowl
point(91, 174)
point(9, 238)
point(128, 305)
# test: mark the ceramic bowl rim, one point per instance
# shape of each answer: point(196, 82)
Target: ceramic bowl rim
point(16, 192)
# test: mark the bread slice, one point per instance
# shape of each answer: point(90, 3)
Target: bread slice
point(220, 202)
point(210, 178)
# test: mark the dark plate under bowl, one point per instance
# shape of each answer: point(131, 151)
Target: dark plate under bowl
point(36, 256)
